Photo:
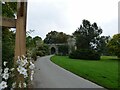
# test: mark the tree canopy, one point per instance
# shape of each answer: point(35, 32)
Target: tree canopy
point(55, 37)
point(87, 35)
point(114, 45)
point(9, 9)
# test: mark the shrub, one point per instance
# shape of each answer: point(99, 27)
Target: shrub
point(85, 54)
point(63, 50)
point(33, 54)
point(39, 53)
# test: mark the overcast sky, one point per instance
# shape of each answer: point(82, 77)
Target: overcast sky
point(67, 15)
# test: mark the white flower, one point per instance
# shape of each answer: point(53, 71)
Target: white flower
point(31, 62)
point(18, 61)
point(6, 70)
point(32, 66)
point(24, 85)
point(31, 77)
point(14, 85)
point(32, 72)
point(20, 85)
point(12, 69)
point(22, 70)
point(5, 63)
point(22, 63)
point(3, 85)
point(25, 60)
point(5, 76)
point(25, 75)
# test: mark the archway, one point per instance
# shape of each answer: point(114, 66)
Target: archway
point(53, 50)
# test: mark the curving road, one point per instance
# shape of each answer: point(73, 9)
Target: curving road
point(50, 75)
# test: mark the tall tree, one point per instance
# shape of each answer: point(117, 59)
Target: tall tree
point(87, 35)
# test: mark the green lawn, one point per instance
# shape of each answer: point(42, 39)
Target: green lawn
point(103, 72)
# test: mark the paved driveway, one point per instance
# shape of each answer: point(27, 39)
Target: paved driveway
point(50, 75)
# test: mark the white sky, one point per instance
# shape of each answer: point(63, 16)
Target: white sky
point(67, 15)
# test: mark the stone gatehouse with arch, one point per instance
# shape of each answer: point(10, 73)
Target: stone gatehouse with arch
point(54, 48)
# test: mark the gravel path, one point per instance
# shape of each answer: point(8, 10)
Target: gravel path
point(50, 75)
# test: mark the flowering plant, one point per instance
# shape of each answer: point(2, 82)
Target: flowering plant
point(24, 67)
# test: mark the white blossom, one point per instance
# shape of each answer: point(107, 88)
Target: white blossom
point(4, 63)
point(31, 77)
point(18, 61)
point(5, 76)
point(32, 72)
point(24, 85)
point(20, 85)
point(3, 85)
point(22, 63)
point(22, 70)
point(25, 75)
point(6, 70)
point(32, 66)
point(14, 85)
point(12, 69)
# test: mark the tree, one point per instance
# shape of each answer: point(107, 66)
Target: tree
point(87, 41)
point(102, 45)
point(87, 36)
point(55, 37)
point(37, 40)
point(29, 42)
point(114, 45)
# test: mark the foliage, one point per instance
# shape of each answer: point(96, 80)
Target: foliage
point(87, 35)
point(23, 68)
point(29, 42)
point(85, 54)
point(37, 40)
point(63, 49)
point(43, 50)
point(8, 45)
point(33, 42)
point(89, 41)
point(36, 47)
point(9, 9)
point(103, 72)
point(102, 46)
point(114, 45)
point(55, 37)
point(8, 37)
point(33, 54)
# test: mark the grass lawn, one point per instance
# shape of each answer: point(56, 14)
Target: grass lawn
point(103, 72)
